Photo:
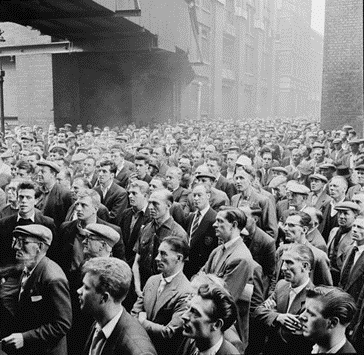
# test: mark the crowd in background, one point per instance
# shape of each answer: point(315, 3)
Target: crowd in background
point(210, 237)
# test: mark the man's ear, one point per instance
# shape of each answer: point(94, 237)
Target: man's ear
point(333, 322)
point(217, 324)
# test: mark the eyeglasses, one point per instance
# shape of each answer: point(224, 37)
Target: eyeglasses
point(292, 225)
point(90, 237)
point(21, 242)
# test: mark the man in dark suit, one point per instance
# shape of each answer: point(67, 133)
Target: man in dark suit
point(89, 171)
point(328, 313)
point(210, 313)
point(173, 178)
point(266, 173)
point(318, 197)
point(233, 262)
point(27, 214)
point(214, 162)
point(200, 230)
point(55, 199)
point(113, 196)
point(141, 163)
point(123, 167)
point(42, 312)
point(160, 307)
point(279, 312)
point(115, 330)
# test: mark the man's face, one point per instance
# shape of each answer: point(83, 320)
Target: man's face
point(316, 185)
point(11, 192)
point(157, 205)
point(358, 231)
point(95, 153)
point(77, 187)
point(314, 325)
point(63, 180)
point(359, 200)
point(293, 269)
point(293, 229)
point(172, 179)
point(84, 208)
point(141, 168)
point(184, 164)
point(61, 137)
point(223, 228)
point(155, 184)
point(296, 156)
point(167, 260)
point(26, 144)
point(105, 176)
point(32, 160)
point(318, 154)
point(196, 156)
point(45, 175)
point(136, 198)
point(22, 174)
point(200, 197)
point(360, 175)
point(321, 136)
point(267, 160)
point(89, 166)
point(337, 189)
point(26, 200)
point(210, 149)
point(214, 166)
point(88, 297)
point(27, 248)
point(337, 146)
point(89, 138)
point(242, 180)
point(197, 320)
point(346, 218)
point(92, 246)
point(158, 153)
point(231, 160)
point(280, 191)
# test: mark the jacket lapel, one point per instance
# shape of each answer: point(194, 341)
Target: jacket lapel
point(357, 271)
point(150, 297)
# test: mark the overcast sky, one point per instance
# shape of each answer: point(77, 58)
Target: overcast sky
point(318, 15)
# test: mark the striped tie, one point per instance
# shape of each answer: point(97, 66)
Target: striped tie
point(195, 223)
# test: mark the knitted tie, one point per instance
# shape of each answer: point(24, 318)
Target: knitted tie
point(347, 267)
point(97, 342)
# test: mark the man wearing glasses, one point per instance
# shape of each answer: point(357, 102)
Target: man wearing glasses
point(41, 314)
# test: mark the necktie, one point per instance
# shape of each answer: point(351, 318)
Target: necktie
point(347, 267)
point(195, 223)
point(24, 278)
point(97, 342)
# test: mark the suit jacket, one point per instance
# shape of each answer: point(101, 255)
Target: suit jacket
point(67, 234)
point(123, 176)
point(189, 348)
point(268, 219)
point(202, 243)
point(43, 313)
point(281, 341)
point(130, 237)
point(320, 273)
point(243, 278)
point(352, 190)
point(265, 178)
point(116, 201)
point(164, 322)
point(58, 202)
point(8, 224)
point(344, 243)
point(347, 349)
point(337, 158)
point(323, 198)
point(128, 338)
point(180, 195)
point(263, 250)
point(355, 281)
point(218, 198)
point(226, 186)
point(317, 240)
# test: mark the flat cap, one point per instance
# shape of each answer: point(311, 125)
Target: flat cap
point(28, 137)
point(106, 233)
point(305, 168)
point(359, 167)
point(243, 160)
point(347, 205)
point(78, 157)
point(343, 170)
point(59, 146)
point(97, 129)
point(9, 135)
point(298, 189)
point(205, 173)
point(280, 169)
point(122, 137)
point(327, 166)
point(318, 145)
point(38, 231)
point(68, 125)
point(347, 127)
point(50, 164)
point(336, 141)
point(319, 177)
point(355, 141)
point(70, 135)
point(6, 154)
point(276, 181)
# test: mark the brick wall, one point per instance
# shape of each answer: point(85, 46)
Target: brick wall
point(342, 86)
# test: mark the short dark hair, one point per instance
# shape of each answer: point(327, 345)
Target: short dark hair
point(234, 214)
point(305, 217)
point(178, 245)
point(22, 164)
point(160, 178)
point(217, 158)
point(142, 157)
point(109, 163)
point(26, 185)
point(224, 306)
point(304, 252)
point(335, 301)
point(114, 276)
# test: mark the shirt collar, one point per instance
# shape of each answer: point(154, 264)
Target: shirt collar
point(298, 289)
point(231, 242)
point(170, 278)
point(204, 211)
point(214, 349)
point(106, 188)
point(360, 248)
point(32, 217)
point(318, 350)
point(110, 326)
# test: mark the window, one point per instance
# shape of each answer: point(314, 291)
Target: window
point(250, 20)
point(228, 52)
point(230, 11)
point(249, 59)
point(248, 93)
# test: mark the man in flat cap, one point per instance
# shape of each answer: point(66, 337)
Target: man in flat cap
point(338, 153)
point(341, 237)
point(359, 171)
point(55, 199)
point(41, 315)
point(318, 196)
point(99, 240)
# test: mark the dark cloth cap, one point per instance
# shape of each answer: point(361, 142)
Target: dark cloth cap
point(38, 231)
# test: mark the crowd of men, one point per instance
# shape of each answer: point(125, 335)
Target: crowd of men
point(203, 238)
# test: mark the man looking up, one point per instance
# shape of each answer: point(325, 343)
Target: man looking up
point(173, 178)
